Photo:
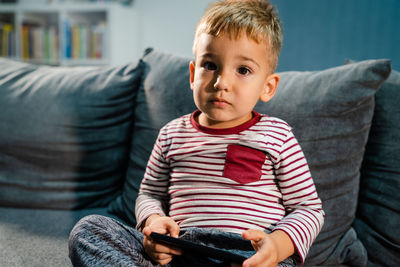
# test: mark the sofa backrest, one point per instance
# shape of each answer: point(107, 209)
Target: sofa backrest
point(64, 133)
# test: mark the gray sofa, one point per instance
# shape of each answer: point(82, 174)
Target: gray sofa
point(75, 141)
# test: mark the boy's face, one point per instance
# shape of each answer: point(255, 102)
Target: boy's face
point(228, 77)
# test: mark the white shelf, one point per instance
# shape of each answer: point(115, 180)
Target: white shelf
point(66, 33)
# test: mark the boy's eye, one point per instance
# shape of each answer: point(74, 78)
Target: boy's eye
point(210, 66)
point(244, 71)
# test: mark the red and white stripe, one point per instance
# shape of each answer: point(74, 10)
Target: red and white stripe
point(185, 173)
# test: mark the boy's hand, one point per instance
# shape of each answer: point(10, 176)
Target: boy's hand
point(160, 253)
point(270, 248)
point(266, 255)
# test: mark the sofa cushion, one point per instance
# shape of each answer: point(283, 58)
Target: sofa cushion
point(33, 237)
point(378, 213)
point(330, 112)
point(64, 133)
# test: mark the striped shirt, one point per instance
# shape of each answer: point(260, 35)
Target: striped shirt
point(251, 176)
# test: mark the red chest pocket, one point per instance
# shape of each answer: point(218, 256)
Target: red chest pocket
point(243, 164)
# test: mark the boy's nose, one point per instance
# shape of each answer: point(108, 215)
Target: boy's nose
point(222, 82)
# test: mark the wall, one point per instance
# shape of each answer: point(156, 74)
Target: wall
point(168, 25)
point(320, 34)
point(317, 34)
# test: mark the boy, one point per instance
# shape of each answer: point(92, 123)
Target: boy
point(224, 169)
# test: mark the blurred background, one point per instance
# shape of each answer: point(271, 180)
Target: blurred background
point(317, 34)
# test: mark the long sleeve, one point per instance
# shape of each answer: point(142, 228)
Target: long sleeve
point(153, 194)
point(305, 216)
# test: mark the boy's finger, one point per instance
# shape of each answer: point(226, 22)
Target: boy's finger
point(161, 258)
point(254, 235)
point(146, 231)
point(173, 229)
point(255, 260)
point(160, 248)
point(165, 260)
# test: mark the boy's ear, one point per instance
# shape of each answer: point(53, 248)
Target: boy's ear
point(192, 67)
point(271, 84)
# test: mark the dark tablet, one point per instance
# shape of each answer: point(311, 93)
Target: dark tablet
point(195, 248)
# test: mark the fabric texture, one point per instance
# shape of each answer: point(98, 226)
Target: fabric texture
point(184, 179)
point(101, 241)
point(330, 112)
point(378, 213)
point(64, 134)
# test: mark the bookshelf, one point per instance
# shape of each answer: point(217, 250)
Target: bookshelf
point(62, 32)
point(7, 35)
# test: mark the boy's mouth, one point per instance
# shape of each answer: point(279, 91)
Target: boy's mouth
point(219, 101)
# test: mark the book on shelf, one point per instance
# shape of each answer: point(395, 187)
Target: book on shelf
point(39, 42)
point(7, 40)
point(68, 39)
point(84, 41)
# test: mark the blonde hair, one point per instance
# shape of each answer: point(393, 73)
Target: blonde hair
point(258, 19)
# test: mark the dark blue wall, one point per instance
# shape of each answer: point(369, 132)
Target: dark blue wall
point(324, 33)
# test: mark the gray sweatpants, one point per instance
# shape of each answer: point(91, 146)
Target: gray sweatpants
point(102, 241)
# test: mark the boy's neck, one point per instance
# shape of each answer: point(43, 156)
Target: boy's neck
point(255, 117)
point(203, 120)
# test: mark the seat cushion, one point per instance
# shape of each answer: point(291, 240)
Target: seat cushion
point(31, 237)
